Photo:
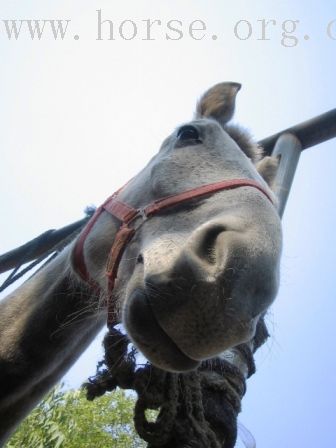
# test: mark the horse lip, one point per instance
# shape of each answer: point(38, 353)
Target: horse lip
point(146, 332)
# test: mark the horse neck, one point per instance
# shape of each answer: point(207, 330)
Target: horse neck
point(44, 326)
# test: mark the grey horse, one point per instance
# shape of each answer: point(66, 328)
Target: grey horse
point(192, 283)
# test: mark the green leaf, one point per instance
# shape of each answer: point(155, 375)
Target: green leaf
point(65, 419)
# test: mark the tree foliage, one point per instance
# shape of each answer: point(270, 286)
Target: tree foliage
point(65, 419)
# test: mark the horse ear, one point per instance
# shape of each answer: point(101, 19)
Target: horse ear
point(218, 102)
point(267, 167)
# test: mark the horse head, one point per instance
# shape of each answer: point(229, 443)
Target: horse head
point(197, 276)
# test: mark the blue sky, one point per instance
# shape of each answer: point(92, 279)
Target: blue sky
point(80, 117)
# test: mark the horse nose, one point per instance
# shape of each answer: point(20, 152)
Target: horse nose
point(154, 280)
point(196, 259)
point(208, 248)
point(166, 283)
point(207, 243)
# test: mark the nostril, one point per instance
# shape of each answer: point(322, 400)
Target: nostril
point(140, 259)
point(207, 247)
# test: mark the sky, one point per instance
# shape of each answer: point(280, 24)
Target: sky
point(80, 116)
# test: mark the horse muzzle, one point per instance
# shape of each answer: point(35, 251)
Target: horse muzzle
point(201, 295)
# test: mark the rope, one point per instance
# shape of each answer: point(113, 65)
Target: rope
point(196, 409)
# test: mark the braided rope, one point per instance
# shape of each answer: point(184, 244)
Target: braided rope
point(196, 409)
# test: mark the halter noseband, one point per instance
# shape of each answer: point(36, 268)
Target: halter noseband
point(127, 214)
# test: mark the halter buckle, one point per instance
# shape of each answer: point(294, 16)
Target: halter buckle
point(142, 213)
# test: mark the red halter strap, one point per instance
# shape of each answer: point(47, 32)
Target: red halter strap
point(127, 214)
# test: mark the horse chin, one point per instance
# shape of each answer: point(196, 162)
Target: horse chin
point(149, 337)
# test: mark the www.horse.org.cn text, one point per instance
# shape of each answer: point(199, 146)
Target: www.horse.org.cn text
point(288, 32)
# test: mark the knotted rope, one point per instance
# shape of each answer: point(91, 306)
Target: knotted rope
point(197, 409)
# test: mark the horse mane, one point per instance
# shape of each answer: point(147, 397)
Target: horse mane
point(245, 141)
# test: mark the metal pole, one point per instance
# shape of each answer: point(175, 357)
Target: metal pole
point(39, 245)
point(310, 133)
point(288, 150)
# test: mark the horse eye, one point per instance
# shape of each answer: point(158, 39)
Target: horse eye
point(188, 132)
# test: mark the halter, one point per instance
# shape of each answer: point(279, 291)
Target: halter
point(127, 215)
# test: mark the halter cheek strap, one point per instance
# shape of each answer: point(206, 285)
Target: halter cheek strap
point(127, 214)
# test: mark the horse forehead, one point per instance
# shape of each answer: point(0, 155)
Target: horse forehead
point(208, 128)
point(175, 169)
point(216, 158)
point(217, 145)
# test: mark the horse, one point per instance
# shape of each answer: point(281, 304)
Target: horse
point(196, 244)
